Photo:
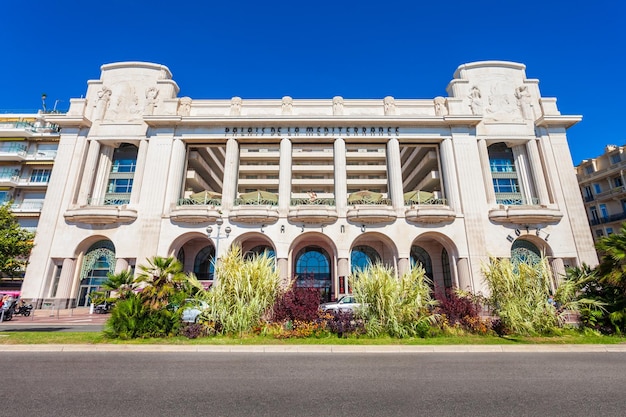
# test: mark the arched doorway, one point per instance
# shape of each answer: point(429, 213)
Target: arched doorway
point(260, 250)
point(98, 261)
point(204, 263)
point(419, 256)
point(313, 269)
point(363, 256)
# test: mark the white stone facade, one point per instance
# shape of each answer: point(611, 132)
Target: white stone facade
point(325, 185)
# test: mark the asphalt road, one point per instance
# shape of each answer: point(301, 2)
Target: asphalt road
point(298, 384)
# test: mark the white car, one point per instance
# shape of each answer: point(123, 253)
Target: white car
point(193, 309)
point(345, 303)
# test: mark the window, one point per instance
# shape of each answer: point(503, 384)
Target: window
point(589, 169)
point(604, 211)
point(609, 231)
point(617, 182)
point(120, 185)
point(616, 158)
point(599, 233)
point(597, 188)
point(502, 165)
point(40, 175)
point(505, 185)
point(594, 214)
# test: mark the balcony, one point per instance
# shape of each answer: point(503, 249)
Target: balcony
point(26, 207)
point(194, 210)
point(608, 219)
point(371, 211)
point(262, 210)
point(112, 209)
point(313, 211)
point(430, 211)
point(524, 214)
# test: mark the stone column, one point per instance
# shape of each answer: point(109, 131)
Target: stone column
point(89, 172)
point(343, 270)
point(142, 152)
point(283, 271)
point(102, 175)
point(394, 173)
point(66, 282)
point(523, 177)
point(485, 164)
point(341, 186)
point(231, 173)
point(284, 184)
point(465, 281)
point(536, 167)
point(121, 264)
point(558, 272)
point(176, 173)
point(403, 266)
point(451, 184)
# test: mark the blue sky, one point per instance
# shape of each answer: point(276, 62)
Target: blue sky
point(323, 48)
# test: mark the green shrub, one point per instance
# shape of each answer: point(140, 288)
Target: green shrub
point(398, 307)
point(519, 296)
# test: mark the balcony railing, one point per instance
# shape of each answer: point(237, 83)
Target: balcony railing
point(258, 202)
point(431, 201)
point(312, 202)
point(27, 206)
point(31, 127)
point(199, 202)
point(608, 219)
point(517, 201)
point(365, 201)
point(109, 200)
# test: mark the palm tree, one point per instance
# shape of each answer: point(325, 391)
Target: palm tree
point(162, 278)
point(123, 283)
point(612, 268)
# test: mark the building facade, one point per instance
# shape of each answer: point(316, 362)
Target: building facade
point(602, 184)
point(324, 186)
point(28, 148)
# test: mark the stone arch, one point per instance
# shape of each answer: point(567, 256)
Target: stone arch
point(384, 246)
point(438, 254)
point(312, 244)
point(97, 261)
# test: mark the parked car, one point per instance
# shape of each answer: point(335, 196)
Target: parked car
point(193, 309)
point(345, 303)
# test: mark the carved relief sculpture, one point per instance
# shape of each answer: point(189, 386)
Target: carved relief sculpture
point(287, 105)
point(441, 108)
point(524, 102)
point(337, 106)
point(104, 97)
point(184, 106)
point(151, 100)
point(389, 105)
point(476, 101)
point(235, 106)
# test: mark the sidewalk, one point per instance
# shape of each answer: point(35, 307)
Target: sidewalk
point(74, 316)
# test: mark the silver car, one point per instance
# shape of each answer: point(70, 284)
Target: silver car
point(193, 309)
point(345, 303)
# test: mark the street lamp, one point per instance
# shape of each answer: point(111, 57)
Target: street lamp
point(219, 222)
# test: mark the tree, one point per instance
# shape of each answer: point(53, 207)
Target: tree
point(612, 268)
point(15, 243)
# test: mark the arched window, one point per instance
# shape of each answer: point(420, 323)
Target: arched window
point(523, 251)
point(122, 174)
point(362, 257)
point(419, 256)
point(259, 250)
point(98, 261)
point(313, 270)
point(204, 264)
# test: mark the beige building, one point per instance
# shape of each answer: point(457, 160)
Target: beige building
point(602, 184)
point(325, 186)
point(28, 148)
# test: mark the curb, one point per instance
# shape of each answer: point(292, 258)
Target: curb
point(318, 348)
